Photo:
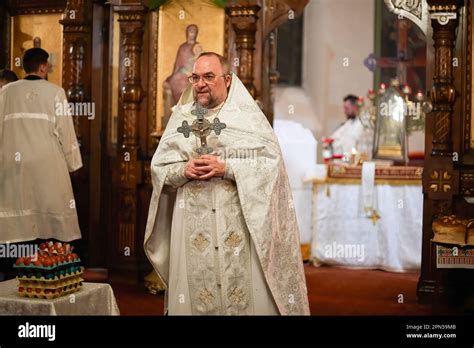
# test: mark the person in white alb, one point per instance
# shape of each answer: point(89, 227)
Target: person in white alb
point(38, 149)
point(349, 134)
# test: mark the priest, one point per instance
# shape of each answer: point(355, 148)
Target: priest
point(221, 232)
point(350, 136)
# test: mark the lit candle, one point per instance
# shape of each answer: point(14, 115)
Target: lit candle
point(406, 89)
point(354, 156)
point(371, 94)
point(419, 96)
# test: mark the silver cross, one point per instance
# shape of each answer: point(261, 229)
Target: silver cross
point(201, 128)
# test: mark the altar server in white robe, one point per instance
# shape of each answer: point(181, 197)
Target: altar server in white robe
point(350, 134)
point(38, 149)
point(226, 242)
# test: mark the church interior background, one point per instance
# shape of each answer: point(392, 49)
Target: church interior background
point(375, 216)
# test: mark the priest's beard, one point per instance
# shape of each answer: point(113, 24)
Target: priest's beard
point(205, 98)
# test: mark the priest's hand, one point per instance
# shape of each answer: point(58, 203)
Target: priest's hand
point(210, 166)
point(192, 171)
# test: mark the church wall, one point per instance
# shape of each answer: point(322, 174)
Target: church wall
point(335, 32)
point(294, 103)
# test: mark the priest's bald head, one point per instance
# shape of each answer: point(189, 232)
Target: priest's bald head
point(210, 79)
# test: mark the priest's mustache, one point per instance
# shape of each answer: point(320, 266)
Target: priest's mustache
point(206, 90)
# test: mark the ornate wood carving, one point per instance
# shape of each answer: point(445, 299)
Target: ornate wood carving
point(414, 10)
point(278, 12)
point(76, 63)
point(18, 7)
point(131, 26)
point(444, 21)
point(467, 184)
point(132, 21)
point(440, 181)
point(441, 178)
point(244, 22)
point(467, 83)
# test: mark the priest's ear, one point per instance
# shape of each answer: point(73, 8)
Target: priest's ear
point(43, 70)
point(228, 80)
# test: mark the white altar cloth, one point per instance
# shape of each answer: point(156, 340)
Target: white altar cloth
point(91, 299)
point(342, 234)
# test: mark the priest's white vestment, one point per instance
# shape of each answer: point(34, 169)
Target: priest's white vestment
point(347, 137)
point(225, 246)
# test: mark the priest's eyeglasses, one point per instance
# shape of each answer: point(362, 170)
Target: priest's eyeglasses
point(207, 78)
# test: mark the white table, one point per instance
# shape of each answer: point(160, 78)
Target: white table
point(92, 299)
point(342, 235)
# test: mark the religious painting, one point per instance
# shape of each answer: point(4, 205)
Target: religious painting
point(185, 29)
point(37, 30)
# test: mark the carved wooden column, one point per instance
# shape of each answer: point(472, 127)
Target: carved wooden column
point(132, 21)
point(440, 179)
point(244, 22)
point(76, 63)
point(76, 73)
point(444, 22)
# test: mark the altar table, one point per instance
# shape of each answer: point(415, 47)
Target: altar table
point(343, 235)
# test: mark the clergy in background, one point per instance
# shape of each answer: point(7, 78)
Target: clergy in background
point(221, 232)
point(38, 149)
point(349, 134)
